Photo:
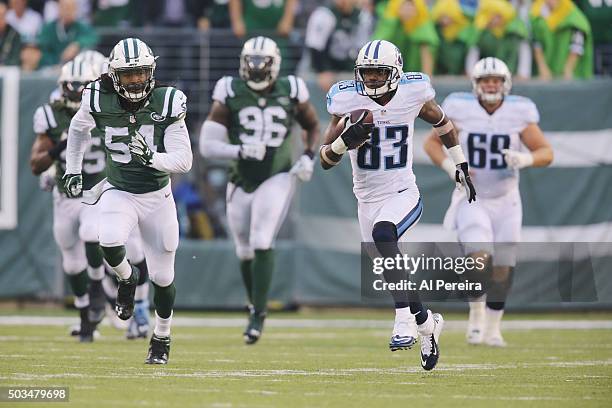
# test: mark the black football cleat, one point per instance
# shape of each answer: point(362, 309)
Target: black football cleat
point(255, 327)
point(124, 305)
point(159, 350)
point(86, 332)
point(97, 302)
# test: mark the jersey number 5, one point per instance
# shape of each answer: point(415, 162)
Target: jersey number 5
point(368, 155)
point(118, 138)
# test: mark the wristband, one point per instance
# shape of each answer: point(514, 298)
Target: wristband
point(338, 146)
point(456, 153)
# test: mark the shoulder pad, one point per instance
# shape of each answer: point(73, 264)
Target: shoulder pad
point(174, 102)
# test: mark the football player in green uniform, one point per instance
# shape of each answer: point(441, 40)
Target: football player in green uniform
point(146, 139)
point(250, 122)
point(75, 224)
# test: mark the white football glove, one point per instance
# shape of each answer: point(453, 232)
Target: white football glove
point(303, 168)
point(46, 180)
point(252, 151)
point(517, 160)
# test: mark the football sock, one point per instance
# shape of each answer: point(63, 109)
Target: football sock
point(493, 321)
point(477, 308)
point(78, 283)
point(246, 270)
point(419, 312)
point(162, 325)
point(263, 267)
point(123, 270)
point(110, 287)
point(163, 298)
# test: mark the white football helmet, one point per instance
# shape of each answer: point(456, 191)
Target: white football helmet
point(491, 67)
point(132, 55)
point(260, 62)
point(379, 54)
point(98, 61)
point(74, 76)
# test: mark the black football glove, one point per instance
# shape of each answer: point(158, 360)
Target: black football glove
point(462, 175)
point(356, 133)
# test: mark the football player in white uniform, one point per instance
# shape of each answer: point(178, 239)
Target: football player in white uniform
point(389, 201)
point(75, 224)
point(493, 126)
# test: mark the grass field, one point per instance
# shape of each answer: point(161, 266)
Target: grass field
point(300, 363)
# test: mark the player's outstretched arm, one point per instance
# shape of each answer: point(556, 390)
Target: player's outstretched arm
point(330, 157)
point(434, 148)
point(44, 152)
point(214, 140)
point(432, 113)
point(78, 137)
point(306, 116)
point(540, 151)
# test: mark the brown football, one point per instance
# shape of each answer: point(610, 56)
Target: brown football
point(354, 117)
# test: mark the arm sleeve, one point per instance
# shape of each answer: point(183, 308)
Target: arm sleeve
point(39, 121)
point(214, 142)
point(78, 138)
point(178, 157)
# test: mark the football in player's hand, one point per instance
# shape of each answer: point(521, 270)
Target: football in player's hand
point(356, 127)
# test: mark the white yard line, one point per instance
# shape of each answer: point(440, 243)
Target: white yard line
point(319, 323)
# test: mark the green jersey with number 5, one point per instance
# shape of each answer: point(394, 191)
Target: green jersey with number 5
point(53, 120)
point(116, 126)
point(261, 118)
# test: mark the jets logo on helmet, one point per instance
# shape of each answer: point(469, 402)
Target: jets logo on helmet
point(131, 67)
point(380, 55)
point(491, 67)
point(75, 75)
point(260, 62)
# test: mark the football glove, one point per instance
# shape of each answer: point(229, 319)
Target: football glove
point(252, 151)
point(303, 168)
point(140, 150)
point(73, 183)
point(462, 176)
point(517, 160)
point(356, 133)
point(46, 180)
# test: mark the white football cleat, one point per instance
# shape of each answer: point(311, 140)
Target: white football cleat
point(430, 337)
point(495, 340)
point(476, 323)
point(404, 332)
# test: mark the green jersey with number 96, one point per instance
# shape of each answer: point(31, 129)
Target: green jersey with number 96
point(53, 120)
point(261, 118)
point(116, 126)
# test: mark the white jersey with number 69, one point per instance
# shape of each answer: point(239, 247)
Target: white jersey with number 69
point(483, 136)
point(383, 165)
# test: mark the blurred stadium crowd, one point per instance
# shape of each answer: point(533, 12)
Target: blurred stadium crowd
point(198, 42)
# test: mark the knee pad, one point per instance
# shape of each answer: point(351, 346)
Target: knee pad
point(162, 279)
point(245, 253)
point(88, 232)
point(74, 260)
point(384, 235)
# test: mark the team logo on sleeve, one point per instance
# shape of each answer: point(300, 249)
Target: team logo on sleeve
point(157, 117)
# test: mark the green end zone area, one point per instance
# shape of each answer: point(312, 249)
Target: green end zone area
point(314, 359)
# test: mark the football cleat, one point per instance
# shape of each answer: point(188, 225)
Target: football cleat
point(159, 350)
point(86, 332)
point(97, 301)
point(495, 340)
point(255, 326)
point(139, 325)
point(115, 321)
point(75, 330)
point(124, 305)
point(476, 323)
point(404, 334)
point(430, 350)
